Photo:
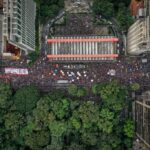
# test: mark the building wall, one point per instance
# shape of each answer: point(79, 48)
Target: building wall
point(138, 38)
point(1, 30)
point(19, 23)
point(142, 118)
point(28, 23)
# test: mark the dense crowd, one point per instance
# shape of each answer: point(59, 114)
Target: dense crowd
point(46, 74)
point(76, 24)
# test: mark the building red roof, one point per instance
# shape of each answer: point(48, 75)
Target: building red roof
point(135, 5)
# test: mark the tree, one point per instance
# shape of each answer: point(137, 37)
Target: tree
point(33, 56)
point(135, 86)
point(95, 89)
point(75, 123)
point(61, 108)
point(56, 95)
point(89, 138)
point(72, 89)
point(75, 146)
point(36, 140)
point(128, 143)
point(123, 16)
point(82, 91)
point(105, 123)
point(58, 129)
point(88, 113)
point(49, 8)
point(25, 98)
point(13, 120)
point(57, 122)
point(5, 95)
point(42, 114)
point(109, 142)
point(129, 129)
point(103, 7)
point(113, 95)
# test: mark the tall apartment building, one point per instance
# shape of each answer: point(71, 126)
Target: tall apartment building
point(138, 38)
point(19, 25)
point(142, 118)
point(1, 22)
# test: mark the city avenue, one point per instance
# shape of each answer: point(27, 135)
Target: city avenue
point(45, 74)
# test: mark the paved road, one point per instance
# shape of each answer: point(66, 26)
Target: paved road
point(45, 74)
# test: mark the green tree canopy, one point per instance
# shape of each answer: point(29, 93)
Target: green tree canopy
point(36, 140)
point(72, 89)
point(135, 86)
point(13, 120)
point(25, 98)
point(106, 120)
point(61, 108)
point(57, 122)
point(129, 128)
point(5, 95)
point(49, 8)
point(123, 17)
point(103, 7)
point(88, 114)
point(113, 95)
point(82, 91)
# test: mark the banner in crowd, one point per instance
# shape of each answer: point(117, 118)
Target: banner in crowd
point(16, 71)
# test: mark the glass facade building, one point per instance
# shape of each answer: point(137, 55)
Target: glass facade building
point(19, 23)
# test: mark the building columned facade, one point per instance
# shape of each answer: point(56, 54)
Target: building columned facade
point(83, 48)
point(138, 38)
point(19, 24)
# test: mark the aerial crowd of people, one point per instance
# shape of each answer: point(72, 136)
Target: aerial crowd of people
point(45, 74)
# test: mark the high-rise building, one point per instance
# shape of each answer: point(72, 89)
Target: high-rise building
point(142, 118)
point(138, 38)
point(19, 25)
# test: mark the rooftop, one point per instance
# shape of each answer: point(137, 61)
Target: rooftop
point(135, 5)
point(1, 4)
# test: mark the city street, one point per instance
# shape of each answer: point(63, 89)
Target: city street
point(45, 74)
